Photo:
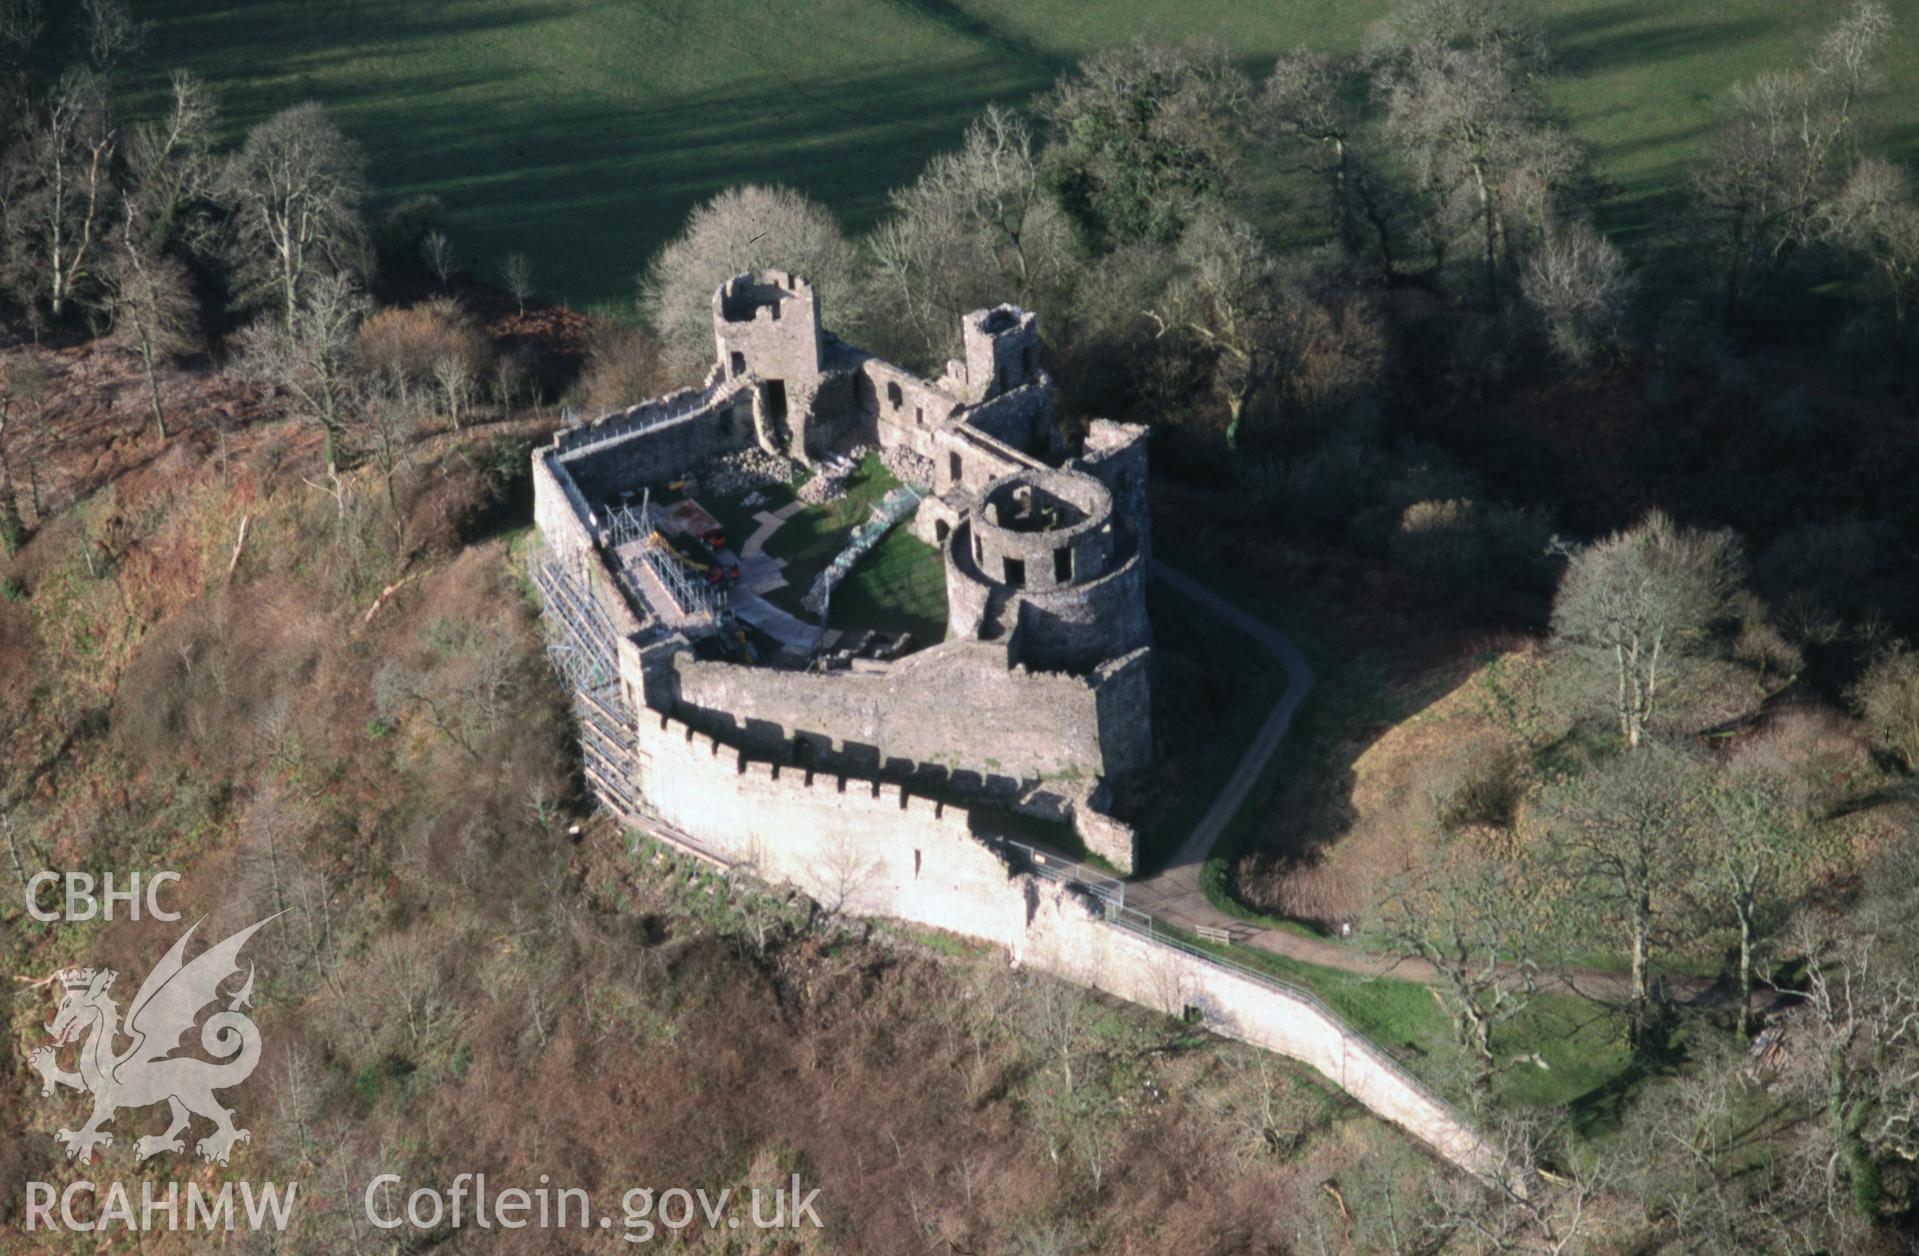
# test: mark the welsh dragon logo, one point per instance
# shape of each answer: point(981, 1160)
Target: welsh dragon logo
point(170, 1000)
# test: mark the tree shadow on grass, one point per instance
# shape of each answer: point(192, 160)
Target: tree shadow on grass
point(534, 149)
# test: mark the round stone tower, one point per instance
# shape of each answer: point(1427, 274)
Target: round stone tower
point(1042, 561)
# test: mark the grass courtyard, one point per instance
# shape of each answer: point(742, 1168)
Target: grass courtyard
point(580, 132)
point(898, 586)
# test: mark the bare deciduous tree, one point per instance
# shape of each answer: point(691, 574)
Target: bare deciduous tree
point(518, 274)
point(1628, 832)
point(624, 365)
point(1863, 1001)
point(1887, 699)
point(1876, 217)
point(1229, 297)
point(509, 378)
point(296, 186)
point(461, 684)
point(743, 228)
point(1507, 31)
point(433, 347)
point(1750, 840)
point(60, 194)
point(385, 425)
point(312, 355)
point(1464, 108)
point(1757, 196)
point(1517, 1208)
point(111, 34)
point(1578, 285)
point(453, 375)
point(171, 170)
point(1262, 324)
point(1470, 917)
point(21, 24)
point(847, 871)
point(976, 228)
point(1307, 107)
point(155, 316)
point(23, 380)
point(437, 252)
point(1637, 606)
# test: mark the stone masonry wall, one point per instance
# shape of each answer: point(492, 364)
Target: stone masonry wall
point(955, 708)
point(560, 513)
point(657, 442)
point(869, 849)
point(1069, 937)
point(1097, 619)
point(855, 845)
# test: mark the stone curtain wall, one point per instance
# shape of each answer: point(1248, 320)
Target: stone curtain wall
point(868, 849)
point(854, 845)
point(559, 510)
point(658, 441)
point(1070, 937)
point(956, 708)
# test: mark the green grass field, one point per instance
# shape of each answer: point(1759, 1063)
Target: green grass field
point(1582, 1044)
point(581, 131)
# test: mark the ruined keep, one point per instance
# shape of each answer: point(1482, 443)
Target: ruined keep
point(1039, 695)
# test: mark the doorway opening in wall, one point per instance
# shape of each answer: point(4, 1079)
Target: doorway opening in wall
point(953, 465)
point(1016, 573)
point(776, 399)
point(739, 364)
point(940, 531)
point(1063, 564)
point(1191, 1015)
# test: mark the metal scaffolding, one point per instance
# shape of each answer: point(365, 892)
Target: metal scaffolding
point(580, 645)
point(694, 595)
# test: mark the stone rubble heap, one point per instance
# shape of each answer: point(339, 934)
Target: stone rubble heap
point(825, 486)
point(908, 467)
point(747, 469)
point(834, 477)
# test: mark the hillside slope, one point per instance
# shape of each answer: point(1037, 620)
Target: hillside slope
point(465, 982)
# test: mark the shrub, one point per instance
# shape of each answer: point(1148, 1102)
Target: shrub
point(404, 348)
point(1815, 755)
point(403, 229)
point(1331, 484)
point(625, 365)
point(1821, 573)
point(1440, 545)
point(1887, 699)
point(1460, 544)
point(13, 529)
point(1478, 784)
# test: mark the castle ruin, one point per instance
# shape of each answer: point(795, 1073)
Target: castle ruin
point(896, 786)
point(1040, 694)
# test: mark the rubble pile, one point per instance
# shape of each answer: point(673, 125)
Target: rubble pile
point(825, 486)
point(908, 467)
point(747, 469)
